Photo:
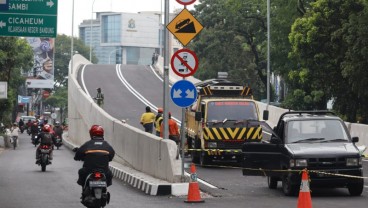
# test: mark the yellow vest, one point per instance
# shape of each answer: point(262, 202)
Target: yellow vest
point(158, 124)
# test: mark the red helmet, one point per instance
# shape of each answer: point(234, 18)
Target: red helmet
point(96, 130)
point(160, 110)
point(46, 128)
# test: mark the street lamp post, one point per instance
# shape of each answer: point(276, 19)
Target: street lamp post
point(90, 42)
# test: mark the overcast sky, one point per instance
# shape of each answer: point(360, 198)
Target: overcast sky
point(83, 9)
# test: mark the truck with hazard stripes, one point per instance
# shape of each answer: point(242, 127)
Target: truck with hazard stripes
point(222, 119)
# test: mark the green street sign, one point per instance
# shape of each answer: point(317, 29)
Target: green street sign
point(28, 18)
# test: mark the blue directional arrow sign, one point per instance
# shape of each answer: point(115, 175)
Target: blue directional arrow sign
point(183, 93)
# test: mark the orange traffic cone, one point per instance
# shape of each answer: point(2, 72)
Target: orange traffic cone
point(304, 200)
point(194, 195)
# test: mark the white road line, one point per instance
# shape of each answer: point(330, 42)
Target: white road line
point(83, 83)
point(203, 182)
point(135, 93)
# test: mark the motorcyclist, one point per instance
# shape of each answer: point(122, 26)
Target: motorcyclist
point(47, 138)
point(96, 154)
point(21, 125)
point(58, 130)
point(34, 129)
point(28, 126)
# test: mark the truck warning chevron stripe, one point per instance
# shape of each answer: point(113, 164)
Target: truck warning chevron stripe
point(252, 133)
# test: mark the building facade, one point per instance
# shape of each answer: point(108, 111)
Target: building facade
point(125, 38)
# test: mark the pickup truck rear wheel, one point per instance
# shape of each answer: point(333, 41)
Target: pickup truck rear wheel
point(272, 182)
point(356, 189)
point(288, 188)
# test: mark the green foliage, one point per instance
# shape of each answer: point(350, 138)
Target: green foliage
point(59, 98)
point(326, 43)
point(15, 55)
point(233, 41)
point(62, 57)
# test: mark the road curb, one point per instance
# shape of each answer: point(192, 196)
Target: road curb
point(141, 181)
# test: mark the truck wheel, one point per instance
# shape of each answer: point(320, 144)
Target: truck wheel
point(356, 189)
point(287, 188)
point(272, 182)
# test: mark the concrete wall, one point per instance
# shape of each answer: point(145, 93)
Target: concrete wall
point(135, 148)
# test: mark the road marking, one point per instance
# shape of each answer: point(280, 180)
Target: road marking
point(83, 83)
point(202, 181)
point(135, 93)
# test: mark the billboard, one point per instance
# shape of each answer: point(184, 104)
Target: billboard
point(42, 73)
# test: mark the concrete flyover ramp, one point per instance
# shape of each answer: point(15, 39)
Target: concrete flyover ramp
point(134, 148)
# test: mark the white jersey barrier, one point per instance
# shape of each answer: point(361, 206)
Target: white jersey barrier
point(134, 148)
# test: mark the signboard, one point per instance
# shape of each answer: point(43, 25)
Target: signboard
point(41, 75)
point(183, 93)
point(185, 2)
point(3, 90)
point(184, 27)
point(184, 62)
point(23, 99)
point(28, 18)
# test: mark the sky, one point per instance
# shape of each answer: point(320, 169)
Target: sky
point(83, 10)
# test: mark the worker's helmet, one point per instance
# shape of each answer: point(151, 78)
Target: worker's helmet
point(57, 123)
point(160, 110)
point(46, 128)
point(96, 130)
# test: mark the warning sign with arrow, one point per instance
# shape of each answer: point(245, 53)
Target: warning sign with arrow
point(184, 27)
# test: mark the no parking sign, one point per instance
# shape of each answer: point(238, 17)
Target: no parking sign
point(184, 62)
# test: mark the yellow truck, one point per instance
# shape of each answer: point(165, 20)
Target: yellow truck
point(223, 118)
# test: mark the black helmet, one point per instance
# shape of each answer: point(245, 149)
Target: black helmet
point(148, 109)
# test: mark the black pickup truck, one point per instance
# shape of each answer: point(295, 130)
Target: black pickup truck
point(316, 140)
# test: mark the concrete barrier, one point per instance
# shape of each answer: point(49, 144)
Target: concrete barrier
point(137, 149)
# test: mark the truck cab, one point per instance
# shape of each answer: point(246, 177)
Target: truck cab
point(220, 121)
point(318, 141)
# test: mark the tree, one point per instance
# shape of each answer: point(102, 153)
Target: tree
point(62, 57)
point(319, 45)
point(233, 41)
point(15, 55)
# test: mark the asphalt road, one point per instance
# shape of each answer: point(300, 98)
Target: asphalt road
point(234, 190)
point(23, 185)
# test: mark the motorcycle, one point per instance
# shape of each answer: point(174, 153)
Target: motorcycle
point(34, 138)
point(58, 141)
point(95, 194)
point(14, 141)
point(29, 130)
point(21, 128)
point(44, 156)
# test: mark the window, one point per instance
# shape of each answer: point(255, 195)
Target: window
point(231, 110)
point(325, 129)
point(111, 28)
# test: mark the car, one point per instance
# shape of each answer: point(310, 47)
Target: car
point(26, 118)
point(318, 141)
